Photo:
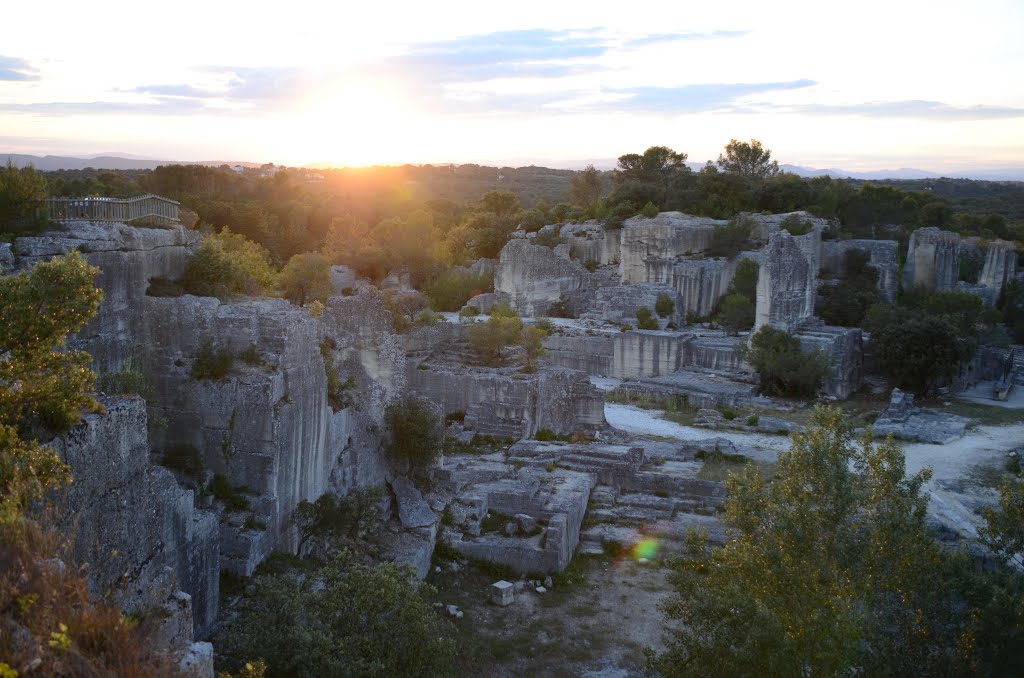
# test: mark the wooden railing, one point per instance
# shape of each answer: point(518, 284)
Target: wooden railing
point(126, 210)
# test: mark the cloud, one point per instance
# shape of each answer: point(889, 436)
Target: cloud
point(12, 68)
point(163, 106)
point(918, 109)
point(678, 37)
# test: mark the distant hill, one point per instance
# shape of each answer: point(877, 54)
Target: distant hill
point(49, 163)
point(909, 173)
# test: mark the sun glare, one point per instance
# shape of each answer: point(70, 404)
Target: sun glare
point(353, 124)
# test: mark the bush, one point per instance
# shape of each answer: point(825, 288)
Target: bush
point(645, 319)
point(664, 306)
point(339, 393)
point(211, 361)
point(305, 278)
point(591, 265)
point(185, 458)
point(450, 290)
point(548, 238)
point(785, 369)
point(221, 490)
point(488, 340)
point(348, 619)
point(729, 240)
point(251, 356)
point(334, 520)
point(227, 263)
point(416, 433)
point(848, 302)
point(796, 225)
point(736, 314)
point(649, 210)
point(745, 280)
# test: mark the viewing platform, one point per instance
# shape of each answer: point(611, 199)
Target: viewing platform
point(149, 207)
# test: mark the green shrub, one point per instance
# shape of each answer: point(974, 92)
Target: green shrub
point(645, 320)
point(796, 225)
point(129, 380)
point(549, 238)
point(546, 435)
point(784, 368)
point(753, 420)
point(211, 361)
point(305, 279)
point(487, 340)
point(450, 290)
point(251, 356)
point(221, 490)
point(736, 314)
point(591, 265)
point(730, 239)
point(664, 306)
point(416, 434)
point(847, 302)
point(339, 393)
point(227, 263)
point(469, 312)
point(649, 210)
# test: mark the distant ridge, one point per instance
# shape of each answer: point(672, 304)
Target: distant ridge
point(48, 163)
point(128, 162)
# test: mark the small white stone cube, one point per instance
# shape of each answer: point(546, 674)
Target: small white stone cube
point(503, 592)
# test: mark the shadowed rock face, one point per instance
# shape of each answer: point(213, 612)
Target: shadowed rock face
point(933, 260)
point(882, 259)
point(787, 280)
point(536, 277)
point(135, 527)
point(127, 257)
point(1000, 265)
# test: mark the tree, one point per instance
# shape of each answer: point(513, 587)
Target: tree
point(348, 619)
point(847, 302)
point(745, 279)
point(915, 349)
point(645, 320)
point(416, 434)
point(736, 313)
point(748, 159)
point(227, 264)
point(22, 193)
point(830, 570)
point(586, 187)
point(658, 165)
point(489, 339)
point(45, 385)
point(305, 279)
point(784, 368)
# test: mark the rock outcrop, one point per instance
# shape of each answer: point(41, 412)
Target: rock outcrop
point(147, 548)
point(264, 426)
point(535, 277)
point(882, 255)
point(591, 241)
point(619, 304)
point(1000, 265)
point(933, 260)
point(661, 238)
point(787, 280)
point(902, 419)
point(128, 257)
point(843, 346)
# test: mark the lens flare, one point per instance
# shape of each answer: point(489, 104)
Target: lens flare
point(646, 548)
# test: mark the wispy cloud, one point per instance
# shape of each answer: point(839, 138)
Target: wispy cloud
point(162, 106)
point(13, 68)
point(936, 110)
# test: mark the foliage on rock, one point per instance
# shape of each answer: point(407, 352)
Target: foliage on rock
point(784, 368)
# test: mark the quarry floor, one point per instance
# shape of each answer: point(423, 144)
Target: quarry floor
point(595, 621)
point(603, 612)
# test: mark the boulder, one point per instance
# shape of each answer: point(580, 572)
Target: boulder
point(933, 260)
point(413, 510)
point(787, 280)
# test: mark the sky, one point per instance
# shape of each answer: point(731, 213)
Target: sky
point(870, 85)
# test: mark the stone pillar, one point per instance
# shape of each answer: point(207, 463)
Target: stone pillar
point(1000, 265)
point(933, 260)
point(786, 281)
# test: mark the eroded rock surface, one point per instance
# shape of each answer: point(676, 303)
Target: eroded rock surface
point(933, 260)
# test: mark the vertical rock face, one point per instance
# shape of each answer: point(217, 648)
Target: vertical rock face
point(882, 259)
point(1000, 265)
point(933, 260)
point(664, 237)
point(535, 277)
point(844, 348)
point(513, 405)
point(787, 280)
point(590, 241)
point(127, 257)
point(643, 353)
point(701, 283)
point(135, 527)
point(365, 350)
point(265, 425)
point(620, 304)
